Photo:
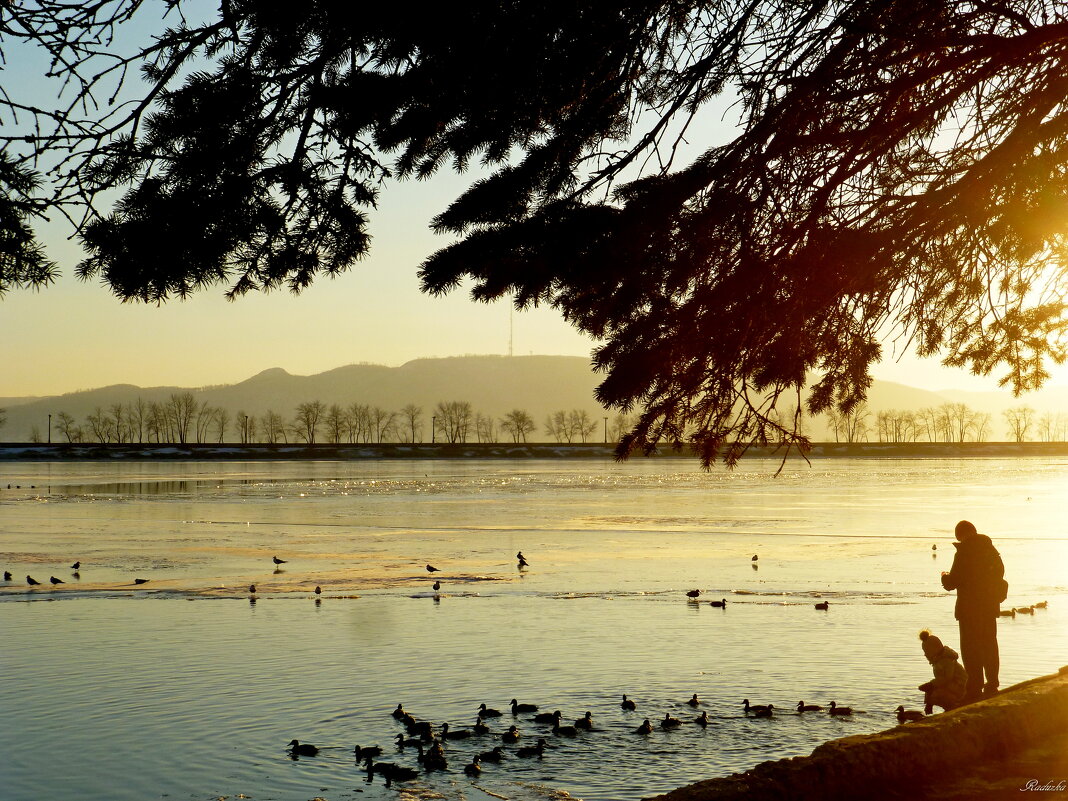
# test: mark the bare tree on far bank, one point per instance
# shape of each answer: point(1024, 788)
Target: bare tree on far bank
point(1019, 420)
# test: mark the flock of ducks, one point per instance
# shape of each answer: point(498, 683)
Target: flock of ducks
point(431, 741)
point(1023, 610)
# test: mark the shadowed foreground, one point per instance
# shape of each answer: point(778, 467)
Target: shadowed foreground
point(1004, 747)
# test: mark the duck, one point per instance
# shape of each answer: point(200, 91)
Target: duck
point(669, 722)
point(803, 707)
point(54, 580)
point(420, 728)
point(302, 749)
point(437, 586)
point(278, 561)
point(484, 712)
point(905, 715)
point(823, 605)
point(399, 712)
point(403, 742)
point(564, 731)
point(755, 558)
point(585, 722)
point(548, 717)
point(693, 593)
point(766, 712)
point(495, 754)
point(518, 707)
point(7, 575)
point(693, 700)
point(434, 758)
point(753, 707)
point(318, 590)
point(369, 751)
point(480, 728)
point(720, 604)
point(536, 750)
point(840, 710)
point(459, 734)
point(399, 773)
point(251, 589)
point(32, 581)
point(645, 728)
point(76, 566)
point(432, 569)
point(140, 581)
point(702, 719)
point(1007, 613)
point(512, 735)
point(1041, 605)
point(1025, 610)
point(627, 704)
point(473, 768)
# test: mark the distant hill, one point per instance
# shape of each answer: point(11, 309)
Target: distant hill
point(494, 385)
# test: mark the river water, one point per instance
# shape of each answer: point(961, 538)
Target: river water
point(190, 687)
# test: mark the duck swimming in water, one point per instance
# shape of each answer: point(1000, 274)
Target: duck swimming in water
point(483, 712)
point(693, 700)
point(765, 712)
point(518, 707)
point(751, 707)
point(628, 704)
point(473, 768)
point(823, 606)
point(905, 715)
point(702, 719)
point(496, 754)
point(803, 707)
point(669, 722)
point(512, 735)
point(645, 728)
point(548, 717)
point(720, 604)
point(532, 750)
point(840, 710)
point(585, 722)
point(369, 751)
point(302, 749)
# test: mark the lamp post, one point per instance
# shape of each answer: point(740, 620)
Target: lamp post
point(606, 431)
point(433, 428)
point(49, 429)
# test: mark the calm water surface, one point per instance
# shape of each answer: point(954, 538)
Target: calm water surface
point(185, 689)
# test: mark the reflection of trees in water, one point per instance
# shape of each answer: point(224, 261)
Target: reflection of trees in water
point(153, 487)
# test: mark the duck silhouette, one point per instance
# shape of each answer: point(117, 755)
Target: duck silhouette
point(585, 722)
point(512, 735)
point(252, 589)
point(564, 731)
point(32, 581)
point(403, 742)
point(905, 715)
point(437, 586)
point(628, 704)
point(840, 710)
point(480, 728)
point(693, 700)
point(496, 754)
point(473, 768)
point(54, 580)
point(645, 728)
point(721, 604)
point(824, 605)
point(766, 712)
point(803, 707)
point(369, 751)
point(693, 593)
point(458, 734)
point(548, 717)
point(76, 566)
point(754, 708)
point(399, 712)
point(7, 575)
point(302, 749)
point(140, 581)
point(518, 707)
point(432, 569)
point(669, 722)
point(485, 712)
point(702, 719)
point(536, 750)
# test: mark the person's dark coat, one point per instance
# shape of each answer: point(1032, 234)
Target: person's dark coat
point(976, 576)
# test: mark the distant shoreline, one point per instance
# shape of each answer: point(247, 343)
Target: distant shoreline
point(544, 450)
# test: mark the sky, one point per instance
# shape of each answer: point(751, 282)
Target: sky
point(76, 335)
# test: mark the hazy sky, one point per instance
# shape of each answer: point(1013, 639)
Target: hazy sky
point(76, 335)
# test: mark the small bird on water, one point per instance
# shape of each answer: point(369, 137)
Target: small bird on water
point(252, 589)
point(32, 581)
point(54, 580)
point(522, 559)
point(7, 575)
point(437, 586)
point(141, 581)
point(431, 569)
point(823, 606)
point(755, 558)
point(76, 566)
point(693, 593)
point(278, 561)
point(303, 749)
point(318, 590)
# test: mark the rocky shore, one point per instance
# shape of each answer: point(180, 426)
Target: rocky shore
point(1009, 746)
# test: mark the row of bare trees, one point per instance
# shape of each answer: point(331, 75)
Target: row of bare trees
point(949, 422)
point(182, 419)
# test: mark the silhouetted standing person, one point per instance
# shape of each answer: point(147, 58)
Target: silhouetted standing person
point(977, 576)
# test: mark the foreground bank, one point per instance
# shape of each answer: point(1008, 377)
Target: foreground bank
point(1005, 747)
